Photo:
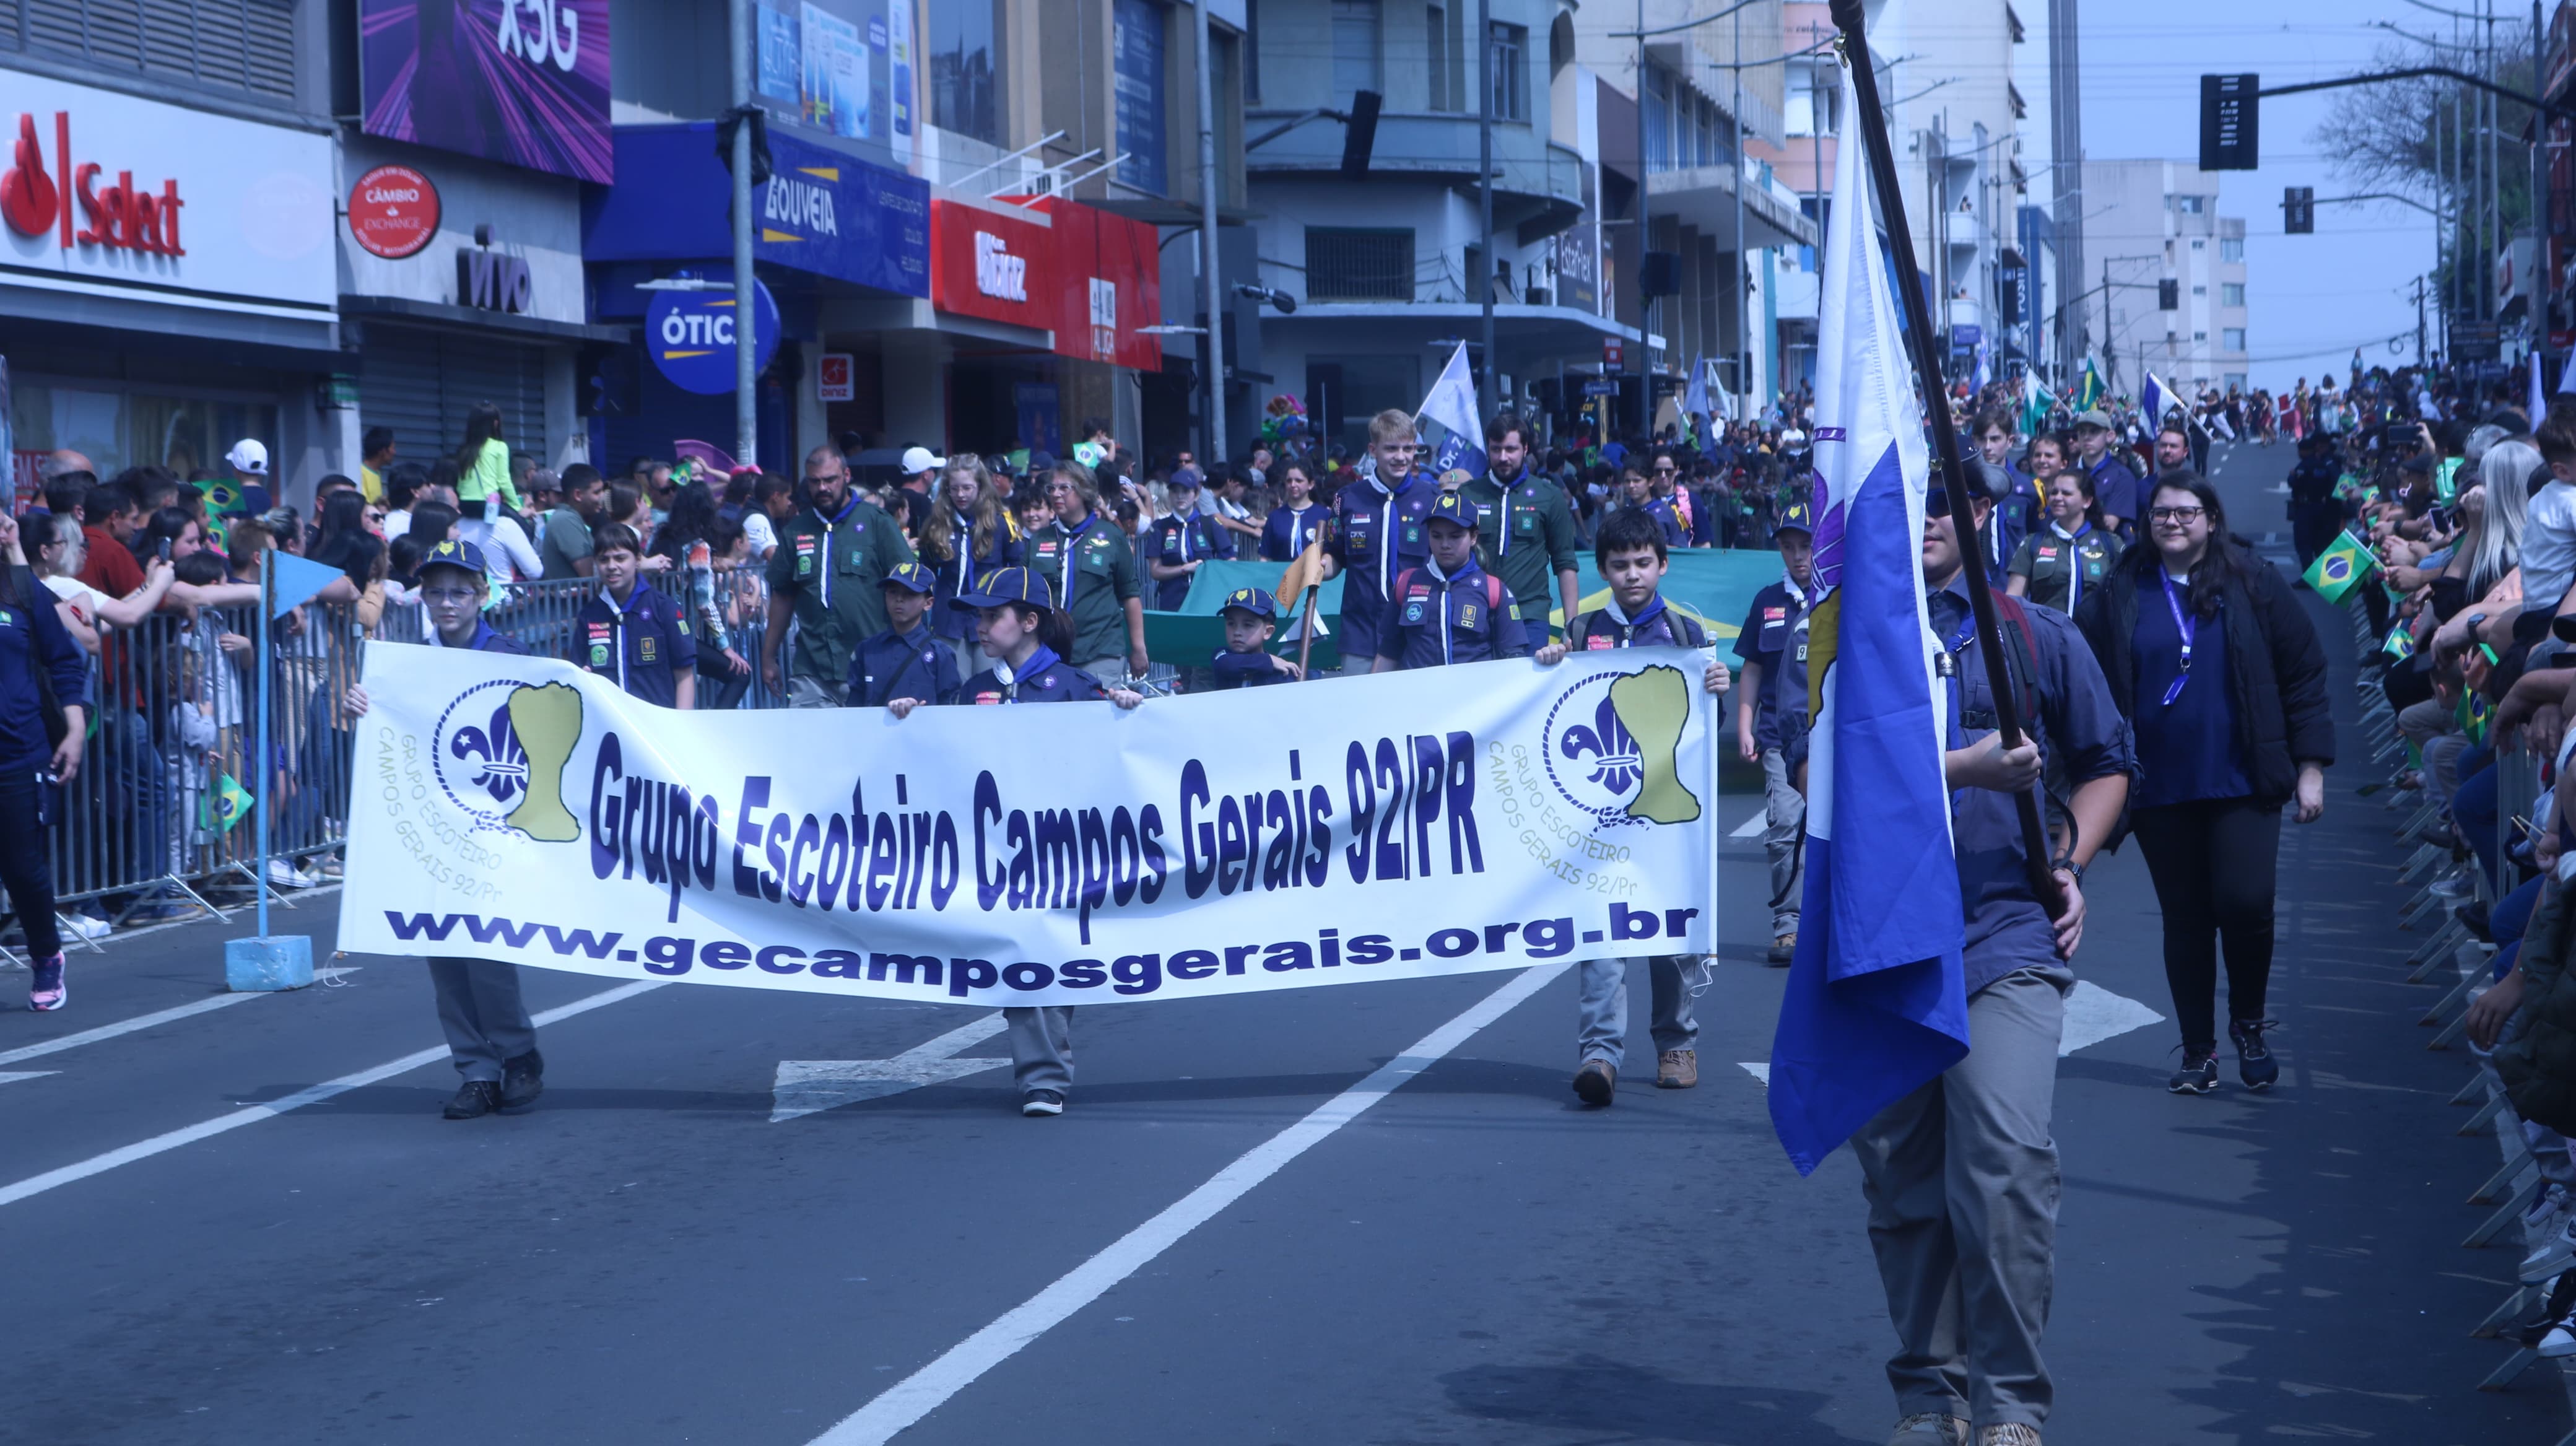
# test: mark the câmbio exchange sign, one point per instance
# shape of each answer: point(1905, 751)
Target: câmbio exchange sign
point(67, 200)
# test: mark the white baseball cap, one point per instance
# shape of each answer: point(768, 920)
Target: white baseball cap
point(918, 460)
point(249, 457)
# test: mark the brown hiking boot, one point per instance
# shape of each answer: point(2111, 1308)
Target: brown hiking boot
point(1596, 1082)
point(1930, 1428)
point(1677, 1069)
point(1784, 948)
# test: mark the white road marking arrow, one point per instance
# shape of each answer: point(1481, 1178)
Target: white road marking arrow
point(809, 1086)
point(13, 1076)
point(2093, 1014)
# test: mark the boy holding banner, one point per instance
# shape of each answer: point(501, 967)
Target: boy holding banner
point(1448, 610)
point(1633, 557)
point(906, 660)
point(1021, 631)
point(489, 1035)
point(1246, 661)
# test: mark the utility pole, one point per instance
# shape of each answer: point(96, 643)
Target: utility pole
point(1645, 243)
point(2539, 205)
point(1743, 288)
point(1485, 373)
point(2419, 321)
point(746, 286)
point(1210, 293)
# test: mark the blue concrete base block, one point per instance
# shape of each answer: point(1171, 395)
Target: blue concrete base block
point(279, 961)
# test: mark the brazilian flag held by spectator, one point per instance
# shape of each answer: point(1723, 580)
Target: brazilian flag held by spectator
point(2400, 644)
point(2339, 567)
point(223, 805)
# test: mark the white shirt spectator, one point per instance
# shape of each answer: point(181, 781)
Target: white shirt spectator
point(507, 555)
point(763, 537)
point(2549, 547)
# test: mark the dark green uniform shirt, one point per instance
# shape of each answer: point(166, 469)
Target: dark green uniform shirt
point(1525, 536)
point(834, 571)
point(1092, 570)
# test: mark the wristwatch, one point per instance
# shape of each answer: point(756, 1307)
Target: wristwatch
point(2065, 863)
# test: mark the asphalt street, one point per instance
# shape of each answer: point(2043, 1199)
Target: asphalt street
point(1447, 1250)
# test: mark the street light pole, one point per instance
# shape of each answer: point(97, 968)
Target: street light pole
point(1210, 293)
point(1485, 374)
point(746, 289)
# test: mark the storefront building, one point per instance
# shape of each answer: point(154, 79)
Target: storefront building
point(166, 287)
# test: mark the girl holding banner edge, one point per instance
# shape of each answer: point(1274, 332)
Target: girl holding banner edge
point(1023, 633)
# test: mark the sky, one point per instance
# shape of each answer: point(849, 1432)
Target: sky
point(2310, 299)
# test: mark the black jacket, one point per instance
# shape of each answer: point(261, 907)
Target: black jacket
point(2276, 671)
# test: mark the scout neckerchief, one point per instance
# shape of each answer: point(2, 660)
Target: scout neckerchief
point(848, 504)
point(1037, 664)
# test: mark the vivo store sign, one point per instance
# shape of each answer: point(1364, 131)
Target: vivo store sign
point(106, 192)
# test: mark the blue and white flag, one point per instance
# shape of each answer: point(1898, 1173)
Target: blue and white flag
point(2154, 400)
point(1985, 371)
point(1695, 396)
point(1876, 1001)
point(2539, 404)
point(1452, 403)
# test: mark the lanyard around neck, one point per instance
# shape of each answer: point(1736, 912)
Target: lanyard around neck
point(2185, 624)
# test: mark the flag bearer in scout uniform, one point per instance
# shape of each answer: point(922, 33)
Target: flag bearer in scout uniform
point(2068, 558)
point(1449, 610)
point(1772, 646)
point(1084, 557)
point(826, 577)
point(489, 1035)
point(906, 660)
point(1178, 544)
point(631, 634)
point(1524, 525)
point(1377, 532)
point(1632, 556)
point(1245, 662)
point(1021, 631)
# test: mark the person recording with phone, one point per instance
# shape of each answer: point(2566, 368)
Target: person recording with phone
point(44, 721)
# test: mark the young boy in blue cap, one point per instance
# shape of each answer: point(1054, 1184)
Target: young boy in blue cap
point(1449, 610)
point(1246, 662)
point(906, 660)
point(1632, 555)
point(1021, 631)
point(631, 634)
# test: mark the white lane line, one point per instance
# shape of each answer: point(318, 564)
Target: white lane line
point(2093, 1014)
point(12, 1076)
point(253, 1114)
point(147, 1021)
point(1751, 827)
point(925, 1390)
point(810, 1086)
point(1761, 1072)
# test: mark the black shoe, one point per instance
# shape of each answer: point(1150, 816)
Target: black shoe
point(2254, 1062)
point(2473, 917)
point(2198, 1075)
point(522, 1080)
point(1039, 1104)
point(1596, 1082)
point(474, 1099)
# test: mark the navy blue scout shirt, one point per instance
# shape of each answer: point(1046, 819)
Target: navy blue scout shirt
point(641, 646)
point(1045, 678)
point(1669, 519)
point(2116, 488)
point(33, 637)
point(2187, 750)
point(895, 665)
point(1377, 533)
point(1466, 617)
point(2081, 735)
point(1247, 670)
point(488, 641)
point(959, 573)
point(1655, 626)
point(1176, 540)
point(1765, 640)
point(1287, 530)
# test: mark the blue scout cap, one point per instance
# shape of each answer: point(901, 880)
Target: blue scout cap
point(1252, 600)
point(1794, 516)
point(1453, 507)
point(455, 554)
point(1004, 586)
point(912, 577)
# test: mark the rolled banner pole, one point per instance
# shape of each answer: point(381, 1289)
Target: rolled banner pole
point(2036, 852)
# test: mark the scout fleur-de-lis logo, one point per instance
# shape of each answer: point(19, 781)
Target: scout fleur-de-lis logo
point(499, 764)
point(1613, 749)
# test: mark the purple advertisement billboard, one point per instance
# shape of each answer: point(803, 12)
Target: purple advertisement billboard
point(519, 81)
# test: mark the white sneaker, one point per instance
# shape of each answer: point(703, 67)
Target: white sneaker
point(83, 926)
point(284, 875)
point(2552, 1257)
point(2559, 1344)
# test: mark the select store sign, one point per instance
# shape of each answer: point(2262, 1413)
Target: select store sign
point(393, 212)
point(989, 265)
point(111, 192)
point(1089, 278)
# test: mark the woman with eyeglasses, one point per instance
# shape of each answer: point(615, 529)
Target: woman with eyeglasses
point(2222, 677)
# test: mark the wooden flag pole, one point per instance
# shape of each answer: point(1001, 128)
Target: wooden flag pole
point(2036, 851)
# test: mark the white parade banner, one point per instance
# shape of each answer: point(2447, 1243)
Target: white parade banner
point(1482, 816)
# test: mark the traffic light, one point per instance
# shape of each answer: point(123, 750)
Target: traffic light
point(2298, 210)
point(1359, 138)
point(2230, 107)
point(2169, 295)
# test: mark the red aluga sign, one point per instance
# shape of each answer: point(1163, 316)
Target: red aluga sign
point(1109, 282)
point(393, 212)
point(34, 200)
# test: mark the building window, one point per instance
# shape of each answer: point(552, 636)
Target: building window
point(2200, 336)
point(2231, 338)
point(1359, 51)
point(2231, 293)
point(232, 44)
point(2191, 205)
point(2199, 245)
point(1658, 120)
point(2200, 291)
point(1346, 263)
point(2235, 380)
point(2231, 248)
point(963, 53)
point(1136, 71)
point(1511, 72)
point(1436, 23)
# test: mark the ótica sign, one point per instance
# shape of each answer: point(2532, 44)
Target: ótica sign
point(690, 336)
